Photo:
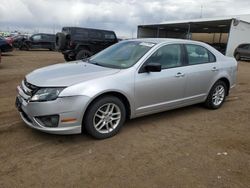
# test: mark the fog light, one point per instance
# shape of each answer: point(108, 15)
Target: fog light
point(49, 121)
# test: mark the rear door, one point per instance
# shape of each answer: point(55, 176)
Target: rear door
point(36, 41)
point(200, 72)
point(48, 41)
point(157, 91)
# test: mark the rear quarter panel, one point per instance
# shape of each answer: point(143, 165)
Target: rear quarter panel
point(227, 69)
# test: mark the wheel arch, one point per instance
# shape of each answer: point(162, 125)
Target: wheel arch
point(117, 94)
point(83, 47)
point(227, 82)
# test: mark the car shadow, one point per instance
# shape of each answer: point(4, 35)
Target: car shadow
point(84, 137)
point(39, 50)
point(170, 114)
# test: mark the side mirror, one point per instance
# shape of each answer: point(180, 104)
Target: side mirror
point(153, 67)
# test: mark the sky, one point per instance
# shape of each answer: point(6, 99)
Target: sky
point(122, 16)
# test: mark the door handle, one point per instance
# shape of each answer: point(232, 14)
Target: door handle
point(215, 69)
point(179, 74)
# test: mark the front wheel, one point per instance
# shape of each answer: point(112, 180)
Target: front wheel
point(217, 95)
point(105, 117)
point(83, 54)
point(68, 58)
point(24, 47)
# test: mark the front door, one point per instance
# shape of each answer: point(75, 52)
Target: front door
point(158, 91)
point(36, 41)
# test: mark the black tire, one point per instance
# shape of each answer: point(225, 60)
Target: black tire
point(210, 103)
point(237, 57)
point(68, 58)
point(94, 108)
point(60, 43)
point(24, 46)
point(83, 54)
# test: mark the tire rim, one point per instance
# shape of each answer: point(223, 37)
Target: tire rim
point(218, 95)
point(85, 55)
point(107, 118)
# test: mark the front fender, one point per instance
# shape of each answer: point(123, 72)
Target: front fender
point(93, 88)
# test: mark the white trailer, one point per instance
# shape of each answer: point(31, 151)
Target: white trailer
point(225, 34)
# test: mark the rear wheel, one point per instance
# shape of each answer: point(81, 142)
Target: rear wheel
point(83, 54)
point(105, 117)
point(237, 57)
point(217, 95)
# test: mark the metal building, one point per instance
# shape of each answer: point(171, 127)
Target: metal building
point(225, 34)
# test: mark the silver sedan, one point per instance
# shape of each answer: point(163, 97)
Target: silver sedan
point(130, 79)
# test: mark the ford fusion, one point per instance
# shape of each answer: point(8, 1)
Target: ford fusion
point(129, 79)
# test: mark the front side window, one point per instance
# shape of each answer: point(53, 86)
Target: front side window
point(168, 56)
point(37, 37)
point(198, 55)
point(122, 55)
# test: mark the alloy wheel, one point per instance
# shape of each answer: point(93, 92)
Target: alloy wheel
point(218, 95)
point(107, 118)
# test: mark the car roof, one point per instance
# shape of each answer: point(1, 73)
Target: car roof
point(159, 41)
point(166, 40)
point(86, 28)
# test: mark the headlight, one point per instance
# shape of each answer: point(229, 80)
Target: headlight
point(46, 94)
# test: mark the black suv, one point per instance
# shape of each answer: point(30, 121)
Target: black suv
point(242, 51)
point(78, 43)
point(39, 40)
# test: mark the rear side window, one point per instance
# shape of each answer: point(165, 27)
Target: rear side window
point(95, 34)
point(109, 36)
point(48, 37)
point(198, 55)
point(81, 33)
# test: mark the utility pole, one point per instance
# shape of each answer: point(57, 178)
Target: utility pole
point(201, 11)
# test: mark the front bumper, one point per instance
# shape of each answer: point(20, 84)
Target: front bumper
point(66, 107)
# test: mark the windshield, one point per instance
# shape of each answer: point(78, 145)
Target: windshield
point(122, 55)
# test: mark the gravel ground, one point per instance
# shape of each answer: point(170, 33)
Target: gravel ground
point(188, 147)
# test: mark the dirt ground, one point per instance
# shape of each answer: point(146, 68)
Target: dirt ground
point(189, 147)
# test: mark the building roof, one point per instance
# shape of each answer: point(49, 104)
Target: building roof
point(202, 25)
point(244, 18)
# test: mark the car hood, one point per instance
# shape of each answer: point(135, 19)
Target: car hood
point(66, 74)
